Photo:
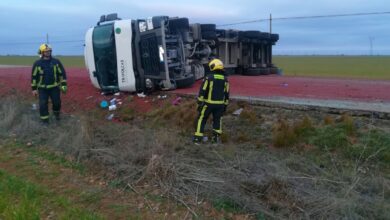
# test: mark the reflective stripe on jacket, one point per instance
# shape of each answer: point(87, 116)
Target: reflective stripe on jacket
point(47, 74)
point(214, 89)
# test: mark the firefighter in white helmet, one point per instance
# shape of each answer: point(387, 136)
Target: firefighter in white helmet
point(213, 99)
point(48, 79)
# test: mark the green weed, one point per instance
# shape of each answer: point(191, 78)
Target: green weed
point(227, 205)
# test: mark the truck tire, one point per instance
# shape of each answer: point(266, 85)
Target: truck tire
point(256, 71)
point(185, 82)
point(209, 31)
point(252, 34)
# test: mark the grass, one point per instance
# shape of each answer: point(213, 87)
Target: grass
point(365, 67)
point(67, 61)
point(21, 199)
point(319, 170)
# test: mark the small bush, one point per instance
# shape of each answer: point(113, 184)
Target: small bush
point(304, 127)
point(329, 137)
point(328, 120)
point(374, 145)
point(283, 135)
point(348, 124)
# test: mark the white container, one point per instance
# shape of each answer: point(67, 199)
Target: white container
point(112, 107)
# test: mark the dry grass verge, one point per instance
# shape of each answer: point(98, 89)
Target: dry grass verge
point(240, 176)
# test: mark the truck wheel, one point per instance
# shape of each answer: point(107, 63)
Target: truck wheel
point(252, 34)
point(185, 82)
point(256, 71)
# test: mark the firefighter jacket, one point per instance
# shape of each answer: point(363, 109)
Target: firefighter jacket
point(214, 89)
point(47, 74)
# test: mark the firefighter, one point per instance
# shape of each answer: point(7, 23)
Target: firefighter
point(213, 99)
point(48, 80)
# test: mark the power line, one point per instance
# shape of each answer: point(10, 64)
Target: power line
point(306, 17)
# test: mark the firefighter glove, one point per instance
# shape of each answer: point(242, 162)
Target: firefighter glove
point(64, 89)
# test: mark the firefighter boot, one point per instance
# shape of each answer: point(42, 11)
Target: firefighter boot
point(57, 115)
point(216, 139)
point(197, 140)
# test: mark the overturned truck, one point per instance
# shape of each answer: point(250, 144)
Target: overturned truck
point(165, 53)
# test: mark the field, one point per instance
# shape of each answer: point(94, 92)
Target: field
point(363, 67)
point(271, 165)
point(68, 61)
point(274, 163)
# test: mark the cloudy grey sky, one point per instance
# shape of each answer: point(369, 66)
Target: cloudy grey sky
point(25, 23)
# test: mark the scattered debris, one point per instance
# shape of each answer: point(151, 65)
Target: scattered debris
point(89, 97)
point(284, 84)
point(104, 104)
point(176, 101)
point(162, 96)
point(112, 107)
point(113, 101)
point(141, 95)
point(117, 94)
point(34, 107)
point(110, 117)
point(238, 112)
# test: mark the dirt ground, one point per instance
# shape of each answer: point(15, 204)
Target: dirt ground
point(368, 94)
point(151, 144)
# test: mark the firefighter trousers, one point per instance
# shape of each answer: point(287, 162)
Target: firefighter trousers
point(54, 95)
point(204, 112)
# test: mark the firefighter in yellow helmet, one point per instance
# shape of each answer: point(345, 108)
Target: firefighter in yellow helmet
point(213, 99)
point(48, 79)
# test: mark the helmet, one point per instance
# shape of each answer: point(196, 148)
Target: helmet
point(43, 48)
point(216, 64)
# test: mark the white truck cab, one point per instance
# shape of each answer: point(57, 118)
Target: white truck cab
point(165, 53)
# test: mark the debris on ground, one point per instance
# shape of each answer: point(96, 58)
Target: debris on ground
point(112, 107)
point(176, 101)
point(110, 117)
point(141, 95)
point(104, 104)
point(238, 112)
point(162, 96)
point(117, 94)
point(34, 107)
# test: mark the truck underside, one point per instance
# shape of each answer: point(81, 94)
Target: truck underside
point(162, 52)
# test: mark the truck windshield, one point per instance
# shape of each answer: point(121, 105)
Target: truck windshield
point(105, 57)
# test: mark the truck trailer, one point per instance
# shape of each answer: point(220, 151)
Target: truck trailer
point(161, 52)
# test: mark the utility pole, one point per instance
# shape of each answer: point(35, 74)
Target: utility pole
point(371, 44)
point(47, 38)
point(270, 23)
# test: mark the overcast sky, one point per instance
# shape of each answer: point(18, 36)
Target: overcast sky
point(25, 23)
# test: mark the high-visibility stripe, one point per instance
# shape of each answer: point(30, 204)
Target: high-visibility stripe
point(59, 69)
point(55, 73)
point(35, 71)
point(201, 99)
point(216, 76)
point(48, 86)
point(210, 91)
point(45, 117)
point(217, 131)
point(214, 102)
point(198, 133)
point(205, 84)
